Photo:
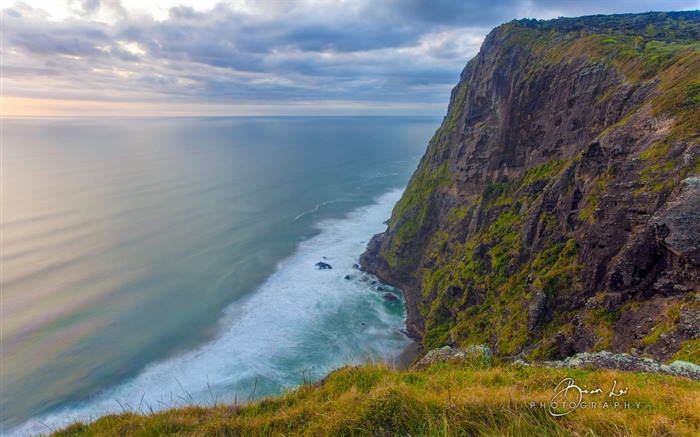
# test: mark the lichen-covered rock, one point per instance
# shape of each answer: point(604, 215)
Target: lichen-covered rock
point(608, 360)
point(474, 354)
point(684, 368)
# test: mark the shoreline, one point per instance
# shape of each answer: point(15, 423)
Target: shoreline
point(408, 355)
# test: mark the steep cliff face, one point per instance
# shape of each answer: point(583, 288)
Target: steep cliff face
point(557, 208)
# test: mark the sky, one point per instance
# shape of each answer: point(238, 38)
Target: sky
point(247, 57)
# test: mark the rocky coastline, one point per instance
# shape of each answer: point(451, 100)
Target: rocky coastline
point(555, 211)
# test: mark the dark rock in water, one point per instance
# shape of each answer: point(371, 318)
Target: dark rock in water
point(380, 288)
point(324, 257)
point(374, 282)
point(323, 266)
point(363, 324)
point(355, 266)
point(390, 297)
point(347, 277)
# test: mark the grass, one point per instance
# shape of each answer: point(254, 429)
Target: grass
point(447, 399)
point(689, 351)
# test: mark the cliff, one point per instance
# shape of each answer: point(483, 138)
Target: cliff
point(557, 208)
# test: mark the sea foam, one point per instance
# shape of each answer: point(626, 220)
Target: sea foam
point(300, 324)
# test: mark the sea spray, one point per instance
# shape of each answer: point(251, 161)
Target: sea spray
point(300, 324)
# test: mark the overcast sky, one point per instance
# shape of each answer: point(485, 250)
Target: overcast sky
point(108, 57)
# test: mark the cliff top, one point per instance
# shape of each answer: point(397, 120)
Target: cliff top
point(675, 26)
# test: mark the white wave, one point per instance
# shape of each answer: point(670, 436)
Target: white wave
point(301, 323)
point(316, 208)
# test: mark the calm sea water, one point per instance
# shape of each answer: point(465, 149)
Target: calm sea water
point(155, 262)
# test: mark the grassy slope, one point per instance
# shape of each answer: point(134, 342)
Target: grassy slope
point(445, 399)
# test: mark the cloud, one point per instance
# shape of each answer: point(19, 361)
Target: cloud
point(302, 52)
point(93, 8)
point(228, 55)
point(457, 13)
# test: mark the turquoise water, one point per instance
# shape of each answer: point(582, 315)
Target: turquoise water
point(153, 262)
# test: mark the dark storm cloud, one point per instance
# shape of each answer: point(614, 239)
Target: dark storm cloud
point(76, 40)
point(372, 51)
point(457, 13)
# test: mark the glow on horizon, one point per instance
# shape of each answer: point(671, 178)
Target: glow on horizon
point(28, 107)
point(68, 10)
point(250, 57)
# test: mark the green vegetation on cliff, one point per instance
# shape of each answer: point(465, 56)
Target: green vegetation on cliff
point(480, 280)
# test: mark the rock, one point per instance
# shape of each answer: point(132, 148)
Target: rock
point(390, 297)
point(347, 277)
point(323, 266)
point(536, 308)
point(610, 361)
point(369, 257)
point(373, 282)
point(380, 288)
point(684, 367)
point(678, 224)
point(355, 266)
point(689, 323)
point(478, 354)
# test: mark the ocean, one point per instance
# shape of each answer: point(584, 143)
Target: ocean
point(154, 262)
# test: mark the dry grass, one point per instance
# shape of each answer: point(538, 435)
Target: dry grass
point(443, 400)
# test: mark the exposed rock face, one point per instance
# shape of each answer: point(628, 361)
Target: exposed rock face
point(678, 223)
point(557, 208)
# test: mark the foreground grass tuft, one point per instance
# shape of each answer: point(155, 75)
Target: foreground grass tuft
point(447, 399)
